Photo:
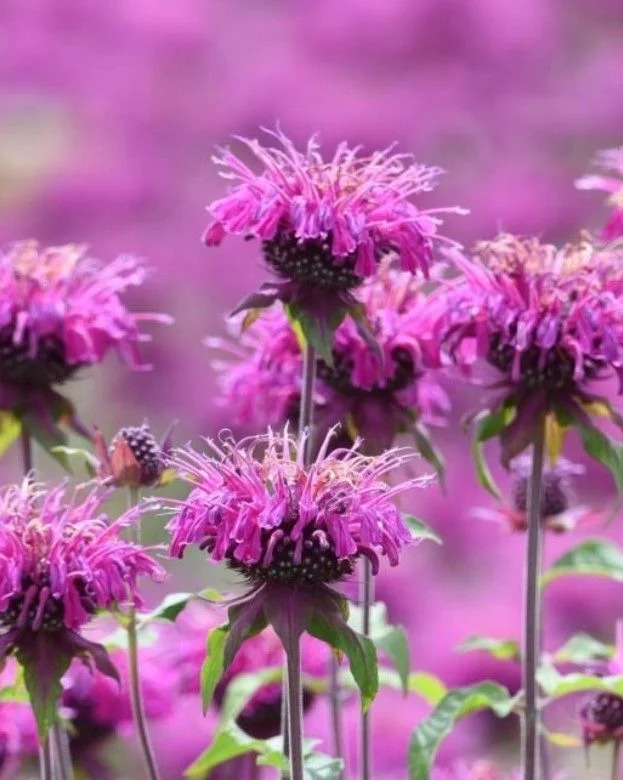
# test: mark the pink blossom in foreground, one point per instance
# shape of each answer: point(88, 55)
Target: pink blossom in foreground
point(61, 310)
point(610, 160)
point(61, 561)
point(254, 505)
point(327, 223)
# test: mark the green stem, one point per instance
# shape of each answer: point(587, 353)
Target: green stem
point(136, 694)
point(26, 445)
point(532, 603)
point(616, 754)
point(334, 700)
point(295, 710)
point(365, 598)
point(45, 760)
point(62, 752)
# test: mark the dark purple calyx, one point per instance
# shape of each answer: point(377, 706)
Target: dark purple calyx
point(48, 366)
point(310, 262)
point(553, 375)
point(318, 561)
point(339, 375)
point(603, 717)
point(554, 495)
point(146, 451)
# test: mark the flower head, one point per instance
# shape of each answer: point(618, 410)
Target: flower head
point(134, 457)
point(327, 223)
point(379, 387)
point(255, 506)
point(545, 318)
point(610, 160)
point(61, 560)
point(61, 310)
point(602, 718)
point(559, 510)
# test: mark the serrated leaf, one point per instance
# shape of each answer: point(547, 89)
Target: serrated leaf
point(214, 664)
point(595, 557)
point(582, 648)
point(10, 429)
point(359, 650)
point(455, 704)
point(503, 649)
point(420, 530)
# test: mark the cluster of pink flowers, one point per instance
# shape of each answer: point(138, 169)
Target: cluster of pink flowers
point(62, 560)
point(380, 387)
point(60, 310)
point(257, 507)
point(545, 318)
point(328, 223)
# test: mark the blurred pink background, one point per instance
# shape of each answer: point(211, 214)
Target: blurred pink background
point(109, 113)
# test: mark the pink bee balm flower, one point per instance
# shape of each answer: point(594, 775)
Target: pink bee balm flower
point(327, 223)
point(255, 506)
point(61, 561)
point(381, 389)
point(610, 160)
point(548, 322)
point(61, 310)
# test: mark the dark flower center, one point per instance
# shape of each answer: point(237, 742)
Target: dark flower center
point(46, 367)
point(606, 710)
point(554, 497)
point(339, 375)
point(310, 262)
point(146, 451)
point(555, 374)
point(261, 719)
point(29, 610)
point(318, 563)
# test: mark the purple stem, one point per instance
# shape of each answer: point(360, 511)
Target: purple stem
point(136, 694)
point(45, 760)
point(295, 710)
point(532, 603)
point(365, 597)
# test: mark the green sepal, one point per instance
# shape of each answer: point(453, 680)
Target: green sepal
point(315, 330)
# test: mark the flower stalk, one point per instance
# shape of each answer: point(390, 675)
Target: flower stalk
point(616, 754)
point(295, 710)
point(136, 694)
point(45, 760)
point(532, 597)
point(366, 601)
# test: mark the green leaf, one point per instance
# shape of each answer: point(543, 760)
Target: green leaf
point(455, 704)
point(10, 429)
point(601, 448)
point(419, 529)
point(582, 648)
point(318, 331)
point(429, 687)
point(44, 661)
point(52, 439)
point(556, 685)
point(428, 451)
point(67, 453)
point(169, 608)
point(213, 665)
point(359, 650)
point(503, 649)
point(487, 425)
point(595, 557)
point(394, 643)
